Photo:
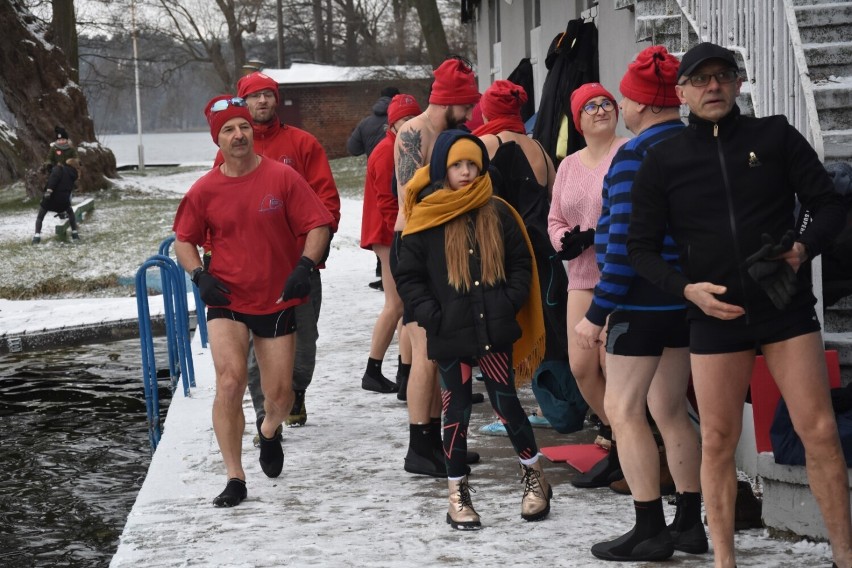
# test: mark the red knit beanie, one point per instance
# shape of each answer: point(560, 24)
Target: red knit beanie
point(402, 105)
point(503, 98)
point(236, 108)
point(651, 78)
point(256, 82)
point(455, 84)
point(582, 95)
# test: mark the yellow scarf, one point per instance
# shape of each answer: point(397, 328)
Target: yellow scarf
point(445, 205)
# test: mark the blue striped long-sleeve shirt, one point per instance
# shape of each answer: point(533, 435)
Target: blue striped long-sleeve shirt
point(619, 286)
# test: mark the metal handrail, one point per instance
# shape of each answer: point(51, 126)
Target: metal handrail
point(177, 333)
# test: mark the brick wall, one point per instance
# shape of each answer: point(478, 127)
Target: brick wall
point(331, 112)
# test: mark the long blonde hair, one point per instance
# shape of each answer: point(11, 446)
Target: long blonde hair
point(458, 240)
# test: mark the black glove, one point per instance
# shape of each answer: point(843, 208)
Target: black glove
point(574, 242)
point(298, 284)
point(776, 277)
point(210, 288)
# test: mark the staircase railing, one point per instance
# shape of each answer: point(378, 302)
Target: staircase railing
point(768, 39)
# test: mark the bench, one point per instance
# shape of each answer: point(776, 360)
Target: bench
point(85, 206)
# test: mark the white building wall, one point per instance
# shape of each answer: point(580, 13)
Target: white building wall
point(520, 38)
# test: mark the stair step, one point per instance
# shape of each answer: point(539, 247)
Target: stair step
point(825, 23)
point(822, 3)
point(824, 14)
point(842, 342)
point(827, 59)
point(838, 320)
point(835, 93)
point(837, 145)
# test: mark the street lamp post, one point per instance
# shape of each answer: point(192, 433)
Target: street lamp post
point(139, 145)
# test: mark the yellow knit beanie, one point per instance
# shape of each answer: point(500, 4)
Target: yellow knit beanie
point(465, 149)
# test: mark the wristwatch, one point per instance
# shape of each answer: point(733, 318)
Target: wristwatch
point(195, 274)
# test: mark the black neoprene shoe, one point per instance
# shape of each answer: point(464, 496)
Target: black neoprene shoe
point(234, 493)
point(654, 549)
point(271, 453)
point(380, 384)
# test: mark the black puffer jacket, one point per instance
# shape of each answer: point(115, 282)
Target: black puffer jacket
point(719, 187)
point(464, 324)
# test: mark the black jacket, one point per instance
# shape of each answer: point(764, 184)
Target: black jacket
point(371, 130)
point(61, 182)
point(464, 324)
point(719, 187)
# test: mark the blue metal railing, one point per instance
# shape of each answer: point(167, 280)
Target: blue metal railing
point(177, 333)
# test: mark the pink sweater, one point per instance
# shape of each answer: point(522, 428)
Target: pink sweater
point(576, 201)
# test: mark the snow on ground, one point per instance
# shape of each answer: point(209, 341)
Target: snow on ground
point(343, 499)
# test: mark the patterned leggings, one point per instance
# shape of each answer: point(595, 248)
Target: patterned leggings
point(456, 391)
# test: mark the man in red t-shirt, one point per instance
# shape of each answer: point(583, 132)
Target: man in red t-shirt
point(250, 204)
point(303, 152)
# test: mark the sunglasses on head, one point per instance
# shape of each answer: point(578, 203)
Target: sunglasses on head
point(222, 104)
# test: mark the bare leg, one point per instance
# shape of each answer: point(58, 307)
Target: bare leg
point(388, 318)
point(627, 390)
point(229, 348)
point(275, 357)
point(667, 402)
point(798, 367)
point(721, 382)
point(422, 382)
point(585, 363)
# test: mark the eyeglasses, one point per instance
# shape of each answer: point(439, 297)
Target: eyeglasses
point(703, 79)
point(592, 108)
point(222, 104)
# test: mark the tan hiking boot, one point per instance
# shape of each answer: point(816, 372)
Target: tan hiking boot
point(461, 515)
point(535, 504)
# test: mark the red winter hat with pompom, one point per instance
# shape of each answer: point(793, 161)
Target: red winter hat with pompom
point(236, 108)
point(402, 105)
point(455, 84)
point(503, 98)
point(651, 78)
point(256, 82)
point(582, 95)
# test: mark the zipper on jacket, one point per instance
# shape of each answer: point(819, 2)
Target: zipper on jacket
point(731, 217)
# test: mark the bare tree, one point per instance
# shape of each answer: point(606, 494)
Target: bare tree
point(433, 30)
point(64, 31)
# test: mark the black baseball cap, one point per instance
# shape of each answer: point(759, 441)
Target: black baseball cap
point(701, 53)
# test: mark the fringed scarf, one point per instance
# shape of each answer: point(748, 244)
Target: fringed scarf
point(445, 205)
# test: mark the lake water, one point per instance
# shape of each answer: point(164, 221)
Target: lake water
point(74, 453)
point(161, 147)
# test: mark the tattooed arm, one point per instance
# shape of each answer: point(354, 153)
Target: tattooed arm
point(408, 156)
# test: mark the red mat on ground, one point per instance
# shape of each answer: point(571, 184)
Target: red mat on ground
point(765, 396)
point(579, 456)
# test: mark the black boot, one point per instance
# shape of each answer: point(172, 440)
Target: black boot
point(374, 380)
point(402, 372)
point(686, 529)
point(421, 458)
point(649, 540)
point(602, 473)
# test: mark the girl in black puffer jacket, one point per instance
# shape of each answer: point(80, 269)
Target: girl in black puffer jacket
point(57, 196)
point(466, 272)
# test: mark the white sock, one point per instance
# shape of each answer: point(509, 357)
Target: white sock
point(530, 461)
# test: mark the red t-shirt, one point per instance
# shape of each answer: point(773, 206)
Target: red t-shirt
point(256, 225)
point(380, 204)
point(301, 151)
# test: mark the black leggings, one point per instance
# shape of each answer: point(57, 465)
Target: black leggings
point(456, 392)
point(42, 212)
